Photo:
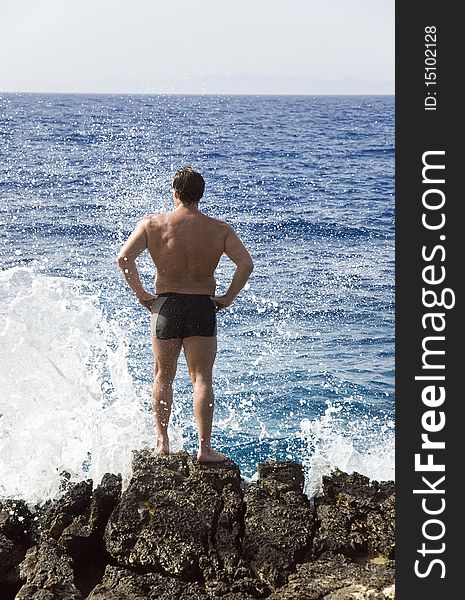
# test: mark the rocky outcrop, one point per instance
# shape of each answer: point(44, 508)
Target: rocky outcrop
point(15, 539)
point(179, 518)
point(49, 574)
point(66, 555)
point(355, 517)
point(334, 577)
point(119, 583)
point(186, 531)
point(278, 523)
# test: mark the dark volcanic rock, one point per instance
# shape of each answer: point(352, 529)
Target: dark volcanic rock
point(186, 531)
point(122, 584)
point(15, 539)
point(355, 517)
point(83, 529)
point(334, 577)
point(49, 574)
point(55, 516)
point(278, 522)
point(178, 517)
point(69, 533)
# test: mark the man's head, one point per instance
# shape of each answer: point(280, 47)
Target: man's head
point(188, 185)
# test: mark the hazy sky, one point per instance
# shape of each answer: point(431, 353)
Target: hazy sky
point(205, 46)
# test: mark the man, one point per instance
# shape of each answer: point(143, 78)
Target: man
point(185, 246)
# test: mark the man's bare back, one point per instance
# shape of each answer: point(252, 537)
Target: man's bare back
point(185, 246)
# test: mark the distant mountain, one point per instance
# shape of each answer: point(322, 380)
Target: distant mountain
point(211, 84)
point(262, 84)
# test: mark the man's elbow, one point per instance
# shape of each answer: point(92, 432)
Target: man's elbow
point(122, 261)
point(248, 266)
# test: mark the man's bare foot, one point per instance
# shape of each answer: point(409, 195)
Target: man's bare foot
point(210, 456)
point(162, 447)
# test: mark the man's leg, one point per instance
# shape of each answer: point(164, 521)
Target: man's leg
point(200, 355)
point(166, 354)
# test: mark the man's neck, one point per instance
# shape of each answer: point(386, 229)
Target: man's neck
point(192, 208)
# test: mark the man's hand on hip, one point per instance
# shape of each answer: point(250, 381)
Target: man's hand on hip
point(146, 299)
point(221, 301)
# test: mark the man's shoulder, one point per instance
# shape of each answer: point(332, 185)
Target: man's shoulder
point(219, 223)
point(153, 219)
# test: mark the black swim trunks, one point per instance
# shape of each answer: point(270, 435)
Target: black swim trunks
point(182, 315)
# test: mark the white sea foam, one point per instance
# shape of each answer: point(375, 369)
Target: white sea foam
point(364, 446)
point(67, 400)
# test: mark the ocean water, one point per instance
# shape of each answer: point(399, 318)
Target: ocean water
point(305, 365)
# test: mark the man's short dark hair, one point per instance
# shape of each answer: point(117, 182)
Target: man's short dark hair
point(189, 185)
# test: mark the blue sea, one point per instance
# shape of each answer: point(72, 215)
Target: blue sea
point(305, 364)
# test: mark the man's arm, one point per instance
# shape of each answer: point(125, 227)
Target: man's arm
point(237, 252)
point(134, 246)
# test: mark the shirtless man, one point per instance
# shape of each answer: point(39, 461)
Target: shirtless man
point(185, 246)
